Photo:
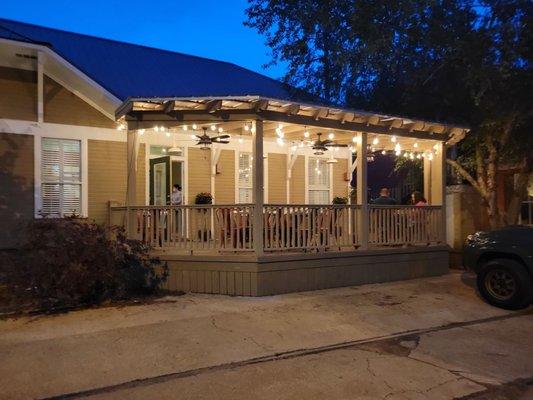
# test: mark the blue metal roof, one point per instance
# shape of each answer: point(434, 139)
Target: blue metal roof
point(129, 70)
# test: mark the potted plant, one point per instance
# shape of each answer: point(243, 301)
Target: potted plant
point(203, 225)
point(340, 200)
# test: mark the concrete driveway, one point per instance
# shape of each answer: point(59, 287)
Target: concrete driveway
point(421, 339)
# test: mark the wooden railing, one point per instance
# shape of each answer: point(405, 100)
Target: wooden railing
point(405, 225)
point(192, 228)
point(229, 228)
point(303, 227)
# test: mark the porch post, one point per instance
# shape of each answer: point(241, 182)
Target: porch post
point(435, 182)
point(131, 188)
point(258, 186)
point(362, 193)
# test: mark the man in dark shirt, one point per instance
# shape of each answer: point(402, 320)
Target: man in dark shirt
point(384, 198)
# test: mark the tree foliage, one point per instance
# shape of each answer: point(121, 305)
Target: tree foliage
point(457, 61)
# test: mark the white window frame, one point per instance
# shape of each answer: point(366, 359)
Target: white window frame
point(311, 165)
point(238, 185)
point(62, 132)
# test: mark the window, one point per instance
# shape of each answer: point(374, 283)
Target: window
point(318, 180)
point(60, 177)
point(245, 178)
point(165, 151)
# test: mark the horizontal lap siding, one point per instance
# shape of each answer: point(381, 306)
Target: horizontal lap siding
point(225, 180)
point(107, 170)
point(277, 178)
point(18, 94)
point(340, 186)
point(64, 107)
point(199, 175)
point(297, 185)
point(16, 186)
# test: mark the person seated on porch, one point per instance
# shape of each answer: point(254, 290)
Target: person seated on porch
point(176, 198)
point(418, 200)
point(384, 198)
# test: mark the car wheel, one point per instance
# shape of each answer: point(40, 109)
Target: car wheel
point(505, 283)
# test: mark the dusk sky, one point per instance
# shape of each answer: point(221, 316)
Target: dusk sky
point(207, 28)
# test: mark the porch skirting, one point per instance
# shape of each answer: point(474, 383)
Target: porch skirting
point(247, 275)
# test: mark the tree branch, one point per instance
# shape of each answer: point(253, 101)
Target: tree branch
point(465, 174)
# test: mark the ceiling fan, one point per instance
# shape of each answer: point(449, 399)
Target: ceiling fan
point(205, 140)
point(321, 146)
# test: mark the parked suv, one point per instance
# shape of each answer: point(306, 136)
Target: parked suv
point(503, 262)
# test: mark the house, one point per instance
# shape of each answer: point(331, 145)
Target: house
point(104, 129)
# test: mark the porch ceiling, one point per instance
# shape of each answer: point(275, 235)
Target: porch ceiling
point(143, 113)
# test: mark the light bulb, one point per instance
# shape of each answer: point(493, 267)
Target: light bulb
point(375, 141)
point(280, 141)
point(246, 127)
point(397, 152)
point(220, 130)
point(436, 146)
point(418, 156)
point(168, 134)
point(213, 128)
point(301, 144)
point(141, 132)
point(241, 140)
point(331, 136)
point(397, 147)
point(430, 156)
point(355, 139)
point(162, 129)
point(185, 127)
point(194, 126)
point(415, 145)
point(306, 134)
point(384, 152)
point(411, 156)
point(393, 139)
point(156, 128)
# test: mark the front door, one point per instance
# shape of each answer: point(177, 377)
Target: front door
point(160, 181)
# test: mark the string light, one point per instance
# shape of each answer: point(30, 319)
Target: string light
point(141, 132)
point(156, 128)
point(194, 126)
point(306, 133)
point(168, 134)
point(393, 139)
point(220, 130)
point(185, 127)
point(246, 127)
point(430, 156)
point(213, 127)
point(355, 139)
point(397, 148)
point(331, 136)
point(384, 152)
point(375, 141)
point(415, 145)
point(162, 129)
point(121, 127)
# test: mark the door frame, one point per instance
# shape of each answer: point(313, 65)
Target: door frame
point(184, 174)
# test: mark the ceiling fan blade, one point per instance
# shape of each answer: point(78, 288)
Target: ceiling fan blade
point(337, 145)
point(221, 137)
point(198, 136)
point(223, 141)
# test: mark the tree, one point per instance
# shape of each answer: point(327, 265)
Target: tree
point(455, 61)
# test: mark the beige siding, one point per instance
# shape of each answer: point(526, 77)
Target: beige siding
point(107, 170)
point(298, 181)
point(340, 186)
point(225, 180)
point(199, 179)
point(18, 94)
point(16, 186)
point(277, 178)
point(64, 107)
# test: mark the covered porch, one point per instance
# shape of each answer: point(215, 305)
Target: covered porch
point(253, 231)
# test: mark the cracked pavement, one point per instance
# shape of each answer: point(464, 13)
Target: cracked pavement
point(429, 338)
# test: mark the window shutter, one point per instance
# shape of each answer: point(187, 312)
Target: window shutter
point(61, 177)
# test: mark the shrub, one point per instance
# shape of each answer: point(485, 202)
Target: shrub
point(340, 200)
point(203, 198)
point(71, 262)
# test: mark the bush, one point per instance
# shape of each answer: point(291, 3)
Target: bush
point(71, 262)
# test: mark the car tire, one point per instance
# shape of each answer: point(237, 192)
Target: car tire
point(505, 283)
